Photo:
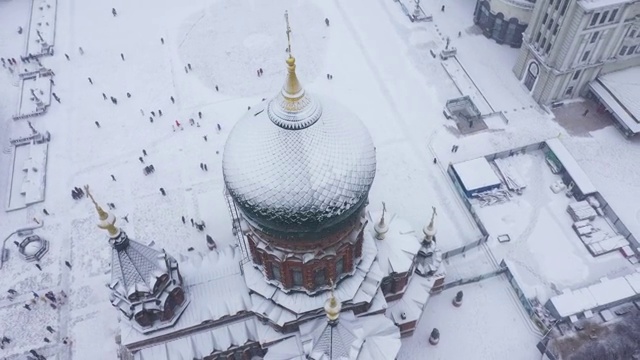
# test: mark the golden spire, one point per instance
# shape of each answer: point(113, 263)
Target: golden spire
point(292, 90)
point(430, 230)
point(332, 306)
point(381, 228)
point(107, 220)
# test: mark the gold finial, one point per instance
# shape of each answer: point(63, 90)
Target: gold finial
point(430, 230)
point(292, 90)
point(332, 306)
point(433, 216)
point(107, 220)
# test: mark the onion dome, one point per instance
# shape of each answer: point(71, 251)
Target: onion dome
point(298, 163)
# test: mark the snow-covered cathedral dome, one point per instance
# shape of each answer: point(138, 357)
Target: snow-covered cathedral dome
point(299, 163)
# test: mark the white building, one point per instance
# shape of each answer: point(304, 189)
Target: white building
point(569, 44)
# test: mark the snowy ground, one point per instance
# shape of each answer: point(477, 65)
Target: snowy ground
point(488, 325)
point(382, 70)
point(544, 247)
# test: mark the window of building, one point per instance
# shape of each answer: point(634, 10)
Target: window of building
point(576, 74)
point(544, 41)
point(546, 50)
point(340, 266)
point(538, 36)
point(604, 17)
point(586, 55)
point(632, 33)
point(275, 269)
point(544, 19)
point(632, 49)
point(550, 2)
point(623, 51)
point(555, 29)
point(565, 3)
point(550, 24)
point(319, 278)
point(594, 37)
point(558, 4)
point(297, 277)
point(594, 19)
point(569, 90)
point(613, 15)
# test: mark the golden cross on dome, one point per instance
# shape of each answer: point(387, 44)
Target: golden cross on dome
point(286, 18)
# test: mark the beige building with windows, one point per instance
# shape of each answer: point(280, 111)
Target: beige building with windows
point(569, 44)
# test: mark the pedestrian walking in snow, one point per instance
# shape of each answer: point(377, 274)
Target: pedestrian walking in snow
point(177, 123)
point(206, 168)
point(141, 159)
point(150, 119)
point(68, 264)
point(159, 112)
point(205, 137)
point(219, 127)
point(191, 122)
point(39, 267)
point(192, 223)
point(141, 112)
point(184, 221)
point(81, 50)
point(216, 87)
point(326, 21)
point(129, 95)
point(585, 112)
point(90, 81)
point(162, 41)
point(51, 81)
point(104, 96)
point(173, 100)
point(45, 211)
point(153, 113)
point(144, 152)
point(186, 70)
point(258, 73)
point(122, 56)
point(189, 65)
point(459, 33)
point(435, 161)
point(50, 329)
point(442, 8)
point(67, 56)
point(113, 177)
point(163, 192)
point(47, 340)
point(200, 114)
point(201, 166)
point(112, 206)
point(453, 148)
point(114, 12)
point(26, 306)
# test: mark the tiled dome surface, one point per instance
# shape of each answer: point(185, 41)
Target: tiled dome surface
point(299, 180)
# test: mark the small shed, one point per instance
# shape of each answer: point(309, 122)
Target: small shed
point(476, 176)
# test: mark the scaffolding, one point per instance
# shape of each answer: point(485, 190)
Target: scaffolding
point(236, 228)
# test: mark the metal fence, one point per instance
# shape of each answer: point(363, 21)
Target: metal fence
point(473, 279)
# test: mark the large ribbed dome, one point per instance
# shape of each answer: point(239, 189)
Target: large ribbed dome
point(298, 163)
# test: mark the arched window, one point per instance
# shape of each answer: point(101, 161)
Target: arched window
point(319, 277)
point(296, 275)
point(144, 318)
point(532, 74)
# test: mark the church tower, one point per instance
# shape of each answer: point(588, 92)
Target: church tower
point(146, 285)
point(299, 168)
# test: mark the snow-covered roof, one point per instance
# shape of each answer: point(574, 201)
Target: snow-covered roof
point(399, 246)
point(413, 301)
point(136, 267)
point(281, 307)
point(216, 288)
point(572, 302)
point(570, 164)
point(620, 91)
point(476, 174)
point(205, 342)
point(352, 338)
point(596, 4)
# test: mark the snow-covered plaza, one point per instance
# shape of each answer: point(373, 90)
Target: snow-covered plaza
point(186, 58)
